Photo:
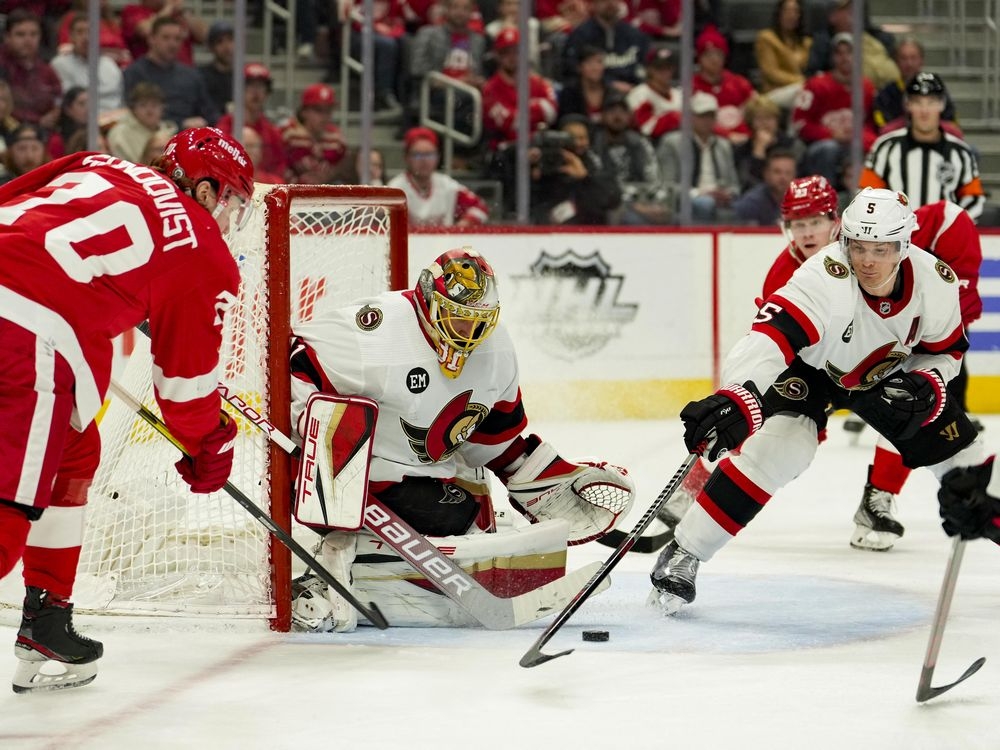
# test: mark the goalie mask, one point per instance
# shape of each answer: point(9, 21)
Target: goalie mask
point(458, 305)
point(199, 154)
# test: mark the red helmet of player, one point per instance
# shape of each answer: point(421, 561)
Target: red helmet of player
point(198, 154)
point(809, 214)
point(458, 305)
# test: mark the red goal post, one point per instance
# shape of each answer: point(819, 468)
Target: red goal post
point(152, 547)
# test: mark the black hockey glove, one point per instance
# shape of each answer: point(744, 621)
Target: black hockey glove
point(966, 508)
point(914, 400)
point(723, 420)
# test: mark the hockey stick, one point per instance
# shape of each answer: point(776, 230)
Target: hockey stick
point(924, 690)
point(534, 656)
point(644, 544)
point(370, 611)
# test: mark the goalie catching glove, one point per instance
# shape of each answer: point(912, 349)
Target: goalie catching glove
point(723, 420)
point(591, 496)
point(208, 469)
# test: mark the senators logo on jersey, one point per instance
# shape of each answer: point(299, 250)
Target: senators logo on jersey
point(835, 268)
point(869, 371)
point(944, 271)
point(452, 426)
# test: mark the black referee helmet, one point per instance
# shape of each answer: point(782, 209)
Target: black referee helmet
point(926, 84)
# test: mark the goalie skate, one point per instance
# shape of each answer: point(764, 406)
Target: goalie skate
point(673, 579)
point(51, 654)
point(876, 528)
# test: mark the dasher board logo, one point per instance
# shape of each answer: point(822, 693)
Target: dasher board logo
point(571, 302)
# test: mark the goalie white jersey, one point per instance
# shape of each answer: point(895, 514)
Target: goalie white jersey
point(824, 317)
point(429, 424)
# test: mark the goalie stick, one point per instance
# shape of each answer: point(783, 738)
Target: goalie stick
point(924, 690)
point(370, 610)
point(491, 611)
point(534, 656)
point(644, 544)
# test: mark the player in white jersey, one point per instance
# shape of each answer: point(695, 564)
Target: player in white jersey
point(869, 324)
point(443, 370)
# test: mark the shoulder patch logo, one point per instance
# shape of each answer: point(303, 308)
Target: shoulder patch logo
point(794, 389)
point(368, 318)
point(835, 268)
point(944, 271)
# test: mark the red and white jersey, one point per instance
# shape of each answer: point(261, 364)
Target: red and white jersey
point(732, 93)
point(822, 316)
point(428, 424)
point(500, 107)
point(944, 230)
point(447, 202)
point(92, 245)
point(825, 103)
point(653, 114)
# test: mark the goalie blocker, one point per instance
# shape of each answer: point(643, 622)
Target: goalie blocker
point(582, 501)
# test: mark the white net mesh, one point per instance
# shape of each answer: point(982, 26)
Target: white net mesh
point(151, 545)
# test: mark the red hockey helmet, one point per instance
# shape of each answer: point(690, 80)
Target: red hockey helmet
point(809, 196)
point(209, 154)
point(458, 305)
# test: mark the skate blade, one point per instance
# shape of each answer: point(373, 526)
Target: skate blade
point(869, 539)
point(37, 675)
point(668, 604)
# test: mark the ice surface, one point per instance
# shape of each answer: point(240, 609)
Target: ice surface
point(795, 641)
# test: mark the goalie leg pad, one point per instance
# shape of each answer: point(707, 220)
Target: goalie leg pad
point(338, 553)
point(591, 496)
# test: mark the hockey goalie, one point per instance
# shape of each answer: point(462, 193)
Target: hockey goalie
point(411, 397)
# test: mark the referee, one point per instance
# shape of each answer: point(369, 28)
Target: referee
point(922, 160)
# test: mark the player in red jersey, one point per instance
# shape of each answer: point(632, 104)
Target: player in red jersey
point(93, 245)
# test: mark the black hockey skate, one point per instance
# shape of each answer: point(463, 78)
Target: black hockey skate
point(876, 528)
point(673, 578)
point(52, 655)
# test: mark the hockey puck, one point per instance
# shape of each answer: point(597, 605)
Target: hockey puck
point(596, 635)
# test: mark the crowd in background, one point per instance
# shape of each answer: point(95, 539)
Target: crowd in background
point(604, 107)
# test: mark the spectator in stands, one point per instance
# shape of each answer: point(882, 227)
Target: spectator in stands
point(388, 28)
point(731, 90)
point(111, 42)
point(72, 117)
point(451, 48)
point(715, 183)
point(257, 87)
point(763, 116)
point(254, 146)
point(656, 104)
point(348, 172)
point(923, 161)
point(782, 52)
point(507, 18)
point(8, 123)
point(500, 102)
point(823, 117)
point(761, 205)
point(25, 151)
point(73, 68)
point(890, 110)
point(876, 49)
point(569, 183)
point(186, 101)
point(128, 137)
point(314, 145)
point(33, 82)
point(139, 21)
point(433, 198)
point(585, 94)
point(625, 46)
point(660, 20)
point(217, 73)
point(631, 159)
point(560, 17)
point(155, 145)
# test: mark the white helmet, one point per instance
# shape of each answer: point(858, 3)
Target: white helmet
point(878, 215)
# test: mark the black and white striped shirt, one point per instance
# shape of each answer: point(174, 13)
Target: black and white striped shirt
point(926, 172)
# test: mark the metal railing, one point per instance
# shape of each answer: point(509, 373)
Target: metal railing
point(447, 129)
point(275, 11)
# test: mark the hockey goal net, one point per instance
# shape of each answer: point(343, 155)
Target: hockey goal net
point(151, 546)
